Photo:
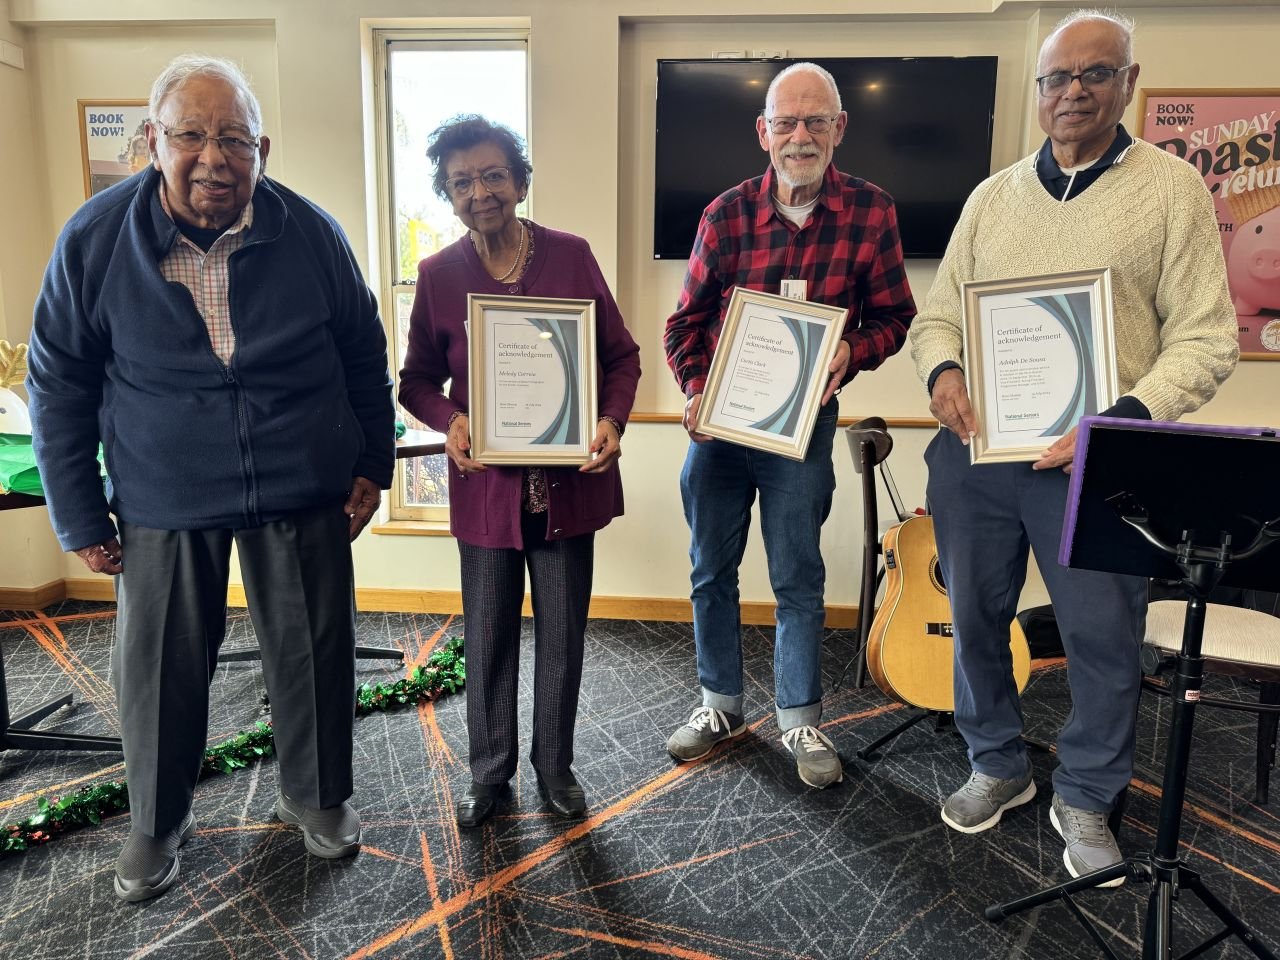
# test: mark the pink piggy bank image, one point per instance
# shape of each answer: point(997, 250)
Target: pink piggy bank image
point(1253, 266)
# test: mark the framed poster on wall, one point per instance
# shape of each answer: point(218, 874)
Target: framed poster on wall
point(113, 144)
point(1232, 136)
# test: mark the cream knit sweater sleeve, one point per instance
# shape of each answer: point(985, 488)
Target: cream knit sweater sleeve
point(1199, 345)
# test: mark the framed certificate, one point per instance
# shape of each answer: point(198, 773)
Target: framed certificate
point(769, 372)
point(532, 368)
point(1039, 355)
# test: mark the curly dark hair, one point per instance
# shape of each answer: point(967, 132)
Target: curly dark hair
point(468, 130)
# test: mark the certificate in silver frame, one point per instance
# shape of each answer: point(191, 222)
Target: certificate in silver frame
point(1039, 354)
point(769, 371)
point(532, 368)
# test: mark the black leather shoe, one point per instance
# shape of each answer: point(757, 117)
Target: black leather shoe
point(562, 794)
point(480, 802)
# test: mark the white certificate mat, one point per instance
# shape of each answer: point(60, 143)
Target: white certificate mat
point(769, 372)
point(532, 369)
point(1039, 355)
point(772, 360)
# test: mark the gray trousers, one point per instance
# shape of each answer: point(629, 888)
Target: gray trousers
point(492, 594)
point(985, 518)
point(171, 600)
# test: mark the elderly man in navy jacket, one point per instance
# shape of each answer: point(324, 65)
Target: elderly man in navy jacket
point(211, 329)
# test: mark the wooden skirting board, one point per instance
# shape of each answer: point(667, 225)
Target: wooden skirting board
point(35, 598)
point(673, 609)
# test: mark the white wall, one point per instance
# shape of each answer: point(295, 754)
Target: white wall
point(29, 553)
point(592, 122)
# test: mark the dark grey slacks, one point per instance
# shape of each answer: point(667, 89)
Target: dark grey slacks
point(492, 593)
point(986, 516)
point(171, 620)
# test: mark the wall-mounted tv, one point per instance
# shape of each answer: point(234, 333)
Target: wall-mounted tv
point(919, 127)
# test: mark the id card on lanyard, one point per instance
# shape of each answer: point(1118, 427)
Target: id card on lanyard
point(795, 289)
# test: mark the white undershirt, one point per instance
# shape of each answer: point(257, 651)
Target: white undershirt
point(1078, 167)
point(797, 215)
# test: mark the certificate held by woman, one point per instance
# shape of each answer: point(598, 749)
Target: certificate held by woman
point(532, 363)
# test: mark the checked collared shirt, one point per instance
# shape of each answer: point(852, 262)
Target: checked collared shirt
point(207, 275)
point(848, 252)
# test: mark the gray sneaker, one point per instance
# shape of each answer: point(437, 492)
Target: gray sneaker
point(706, 727)
point(1090, 844)
point(980, 803)
point(817, 762)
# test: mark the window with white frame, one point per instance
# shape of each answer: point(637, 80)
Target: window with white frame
point(429, 77)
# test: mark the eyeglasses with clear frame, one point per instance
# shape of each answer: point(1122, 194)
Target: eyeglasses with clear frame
point(784, 125)
point(192, 141)
point(494, 179)
point(1095, 78)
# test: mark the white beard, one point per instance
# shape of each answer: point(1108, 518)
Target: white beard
point(805, 176)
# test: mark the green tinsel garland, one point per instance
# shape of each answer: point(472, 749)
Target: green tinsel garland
point(445, 672)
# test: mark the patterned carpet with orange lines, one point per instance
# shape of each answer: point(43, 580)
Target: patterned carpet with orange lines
point(729, 858)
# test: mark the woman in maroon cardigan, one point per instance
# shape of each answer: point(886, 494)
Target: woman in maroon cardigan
point(505, 518)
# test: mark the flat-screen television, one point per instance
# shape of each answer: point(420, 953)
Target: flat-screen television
point(919, 127)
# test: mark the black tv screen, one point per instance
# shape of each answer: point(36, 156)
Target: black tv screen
point(919, 127)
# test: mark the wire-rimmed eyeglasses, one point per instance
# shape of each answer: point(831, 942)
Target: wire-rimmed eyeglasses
point(784, 125)
point(1095, 78)
point(494, 179)
point(192, 141)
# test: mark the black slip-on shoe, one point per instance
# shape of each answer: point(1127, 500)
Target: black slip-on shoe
point(480, 802)
point(332, 833)
point(562, 794)
point(137, 889)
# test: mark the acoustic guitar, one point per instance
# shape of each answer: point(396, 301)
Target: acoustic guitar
point(909, 650)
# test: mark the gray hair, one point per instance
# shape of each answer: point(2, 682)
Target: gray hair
point(1124, 24)
point(804, 67)
point(182, 68)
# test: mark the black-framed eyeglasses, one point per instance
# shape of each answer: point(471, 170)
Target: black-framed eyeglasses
point(192, 141)
point(1095, 78)
point(784, 125)
point(494, 179)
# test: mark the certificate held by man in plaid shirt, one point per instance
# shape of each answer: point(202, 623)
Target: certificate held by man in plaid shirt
point(808, 231)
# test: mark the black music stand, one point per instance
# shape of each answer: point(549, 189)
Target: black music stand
point(16, 732)
point(1170, 501)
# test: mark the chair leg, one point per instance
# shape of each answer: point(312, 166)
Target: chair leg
point(1267, 725)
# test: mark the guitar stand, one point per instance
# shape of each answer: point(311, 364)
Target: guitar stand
point(941, 721)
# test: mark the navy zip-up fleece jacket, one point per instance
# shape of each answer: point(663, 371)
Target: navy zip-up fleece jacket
point(121, 356)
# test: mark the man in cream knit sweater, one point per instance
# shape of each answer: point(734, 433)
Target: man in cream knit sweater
point(1091, 197)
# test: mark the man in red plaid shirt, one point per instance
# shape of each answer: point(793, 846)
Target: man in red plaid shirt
point(808, 231)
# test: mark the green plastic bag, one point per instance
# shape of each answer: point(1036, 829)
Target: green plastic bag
point(18, 472)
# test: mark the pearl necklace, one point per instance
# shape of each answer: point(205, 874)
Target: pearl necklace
point(519, 260)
